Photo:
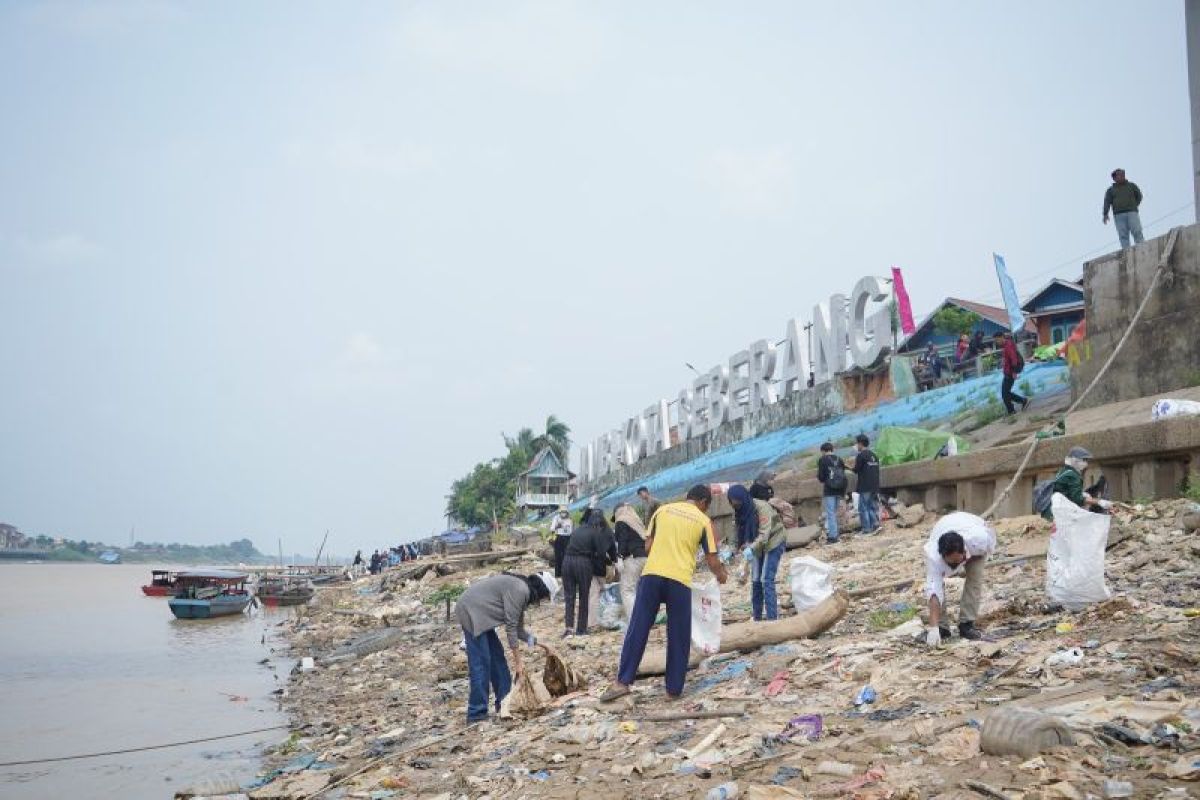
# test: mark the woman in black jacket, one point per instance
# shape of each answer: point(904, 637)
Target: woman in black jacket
point(589, 553)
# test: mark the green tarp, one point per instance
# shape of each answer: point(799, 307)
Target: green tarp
point(901, 445)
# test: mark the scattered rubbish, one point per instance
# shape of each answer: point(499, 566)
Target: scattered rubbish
point(1064, 627)
point(540, 775)
point(1113, 788)
point(805, 726)
point(726, 791)
point(778, 683)
point(811, 581)
point(706, 615)
point(1075, 556)
point(627, 727)
point(785, 774)
point(1022, 732)
point(559, 678)
point(1065, 658)
point(528, 698)
point(1123, 734)
point(307, 663)
point(892, 714)
point(1167, 408)
point(689, 768)
point(733, 670)
point(865, 696)
point(834, 768)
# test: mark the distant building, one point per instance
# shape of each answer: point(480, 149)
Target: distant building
point(546, 484)
point(10, 536)
point(1055, 309)
point(992, 320)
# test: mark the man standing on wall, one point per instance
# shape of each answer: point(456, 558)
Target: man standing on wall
point(647, 504)
point(1012, 364)
point(1123, 199)
point(676, 531)
point(866, 467)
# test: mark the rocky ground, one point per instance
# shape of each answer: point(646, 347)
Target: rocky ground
point(780, 721)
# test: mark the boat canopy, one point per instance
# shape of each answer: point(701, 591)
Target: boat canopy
point(221, 575)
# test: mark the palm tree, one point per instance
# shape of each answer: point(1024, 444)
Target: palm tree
point(557, 437)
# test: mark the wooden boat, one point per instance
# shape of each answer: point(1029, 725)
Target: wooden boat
point(202, 594)
point(162, 584)
point(284, 590)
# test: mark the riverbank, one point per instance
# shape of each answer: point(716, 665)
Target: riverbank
point(391, 722)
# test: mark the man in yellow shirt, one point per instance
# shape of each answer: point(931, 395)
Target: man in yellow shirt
point(675, 532)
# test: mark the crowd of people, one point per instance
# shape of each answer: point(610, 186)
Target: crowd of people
point(382, 559)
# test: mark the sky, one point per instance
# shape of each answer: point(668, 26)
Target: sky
point(271, 269)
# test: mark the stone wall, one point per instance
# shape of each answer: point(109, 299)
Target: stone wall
point(1162, 352)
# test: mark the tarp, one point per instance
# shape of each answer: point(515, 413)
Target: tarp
point(901, 445)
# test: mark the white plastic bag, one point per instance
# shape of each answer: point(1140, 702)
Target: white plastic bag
point(1164, 409)
point(811, 581)
point(1075, 557)
point(610, 616)
point(706, 615)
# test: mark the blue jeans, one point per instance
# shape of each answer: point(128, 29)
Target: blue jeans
point(487, 668)
point(830, 504)
point(1128, 222)
point(868, 511)
point(762, 584)
point(652, 592)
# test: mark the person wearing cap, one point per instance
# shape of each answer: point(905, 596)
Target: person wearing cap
point(499, 600)
point(958, 540)
point(1069, 483)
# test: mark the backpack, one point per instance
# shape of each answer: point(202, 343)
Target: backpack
point(785, 510)
point(1042, 494)
point(1019, 367)
point(837, 476)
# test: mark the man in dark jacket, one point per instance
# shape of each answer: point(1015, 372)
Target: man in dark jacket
point(590, 551)
point(1123, 199)
point(866, 467)
point(1012, 364)
point(831, 472)
point(1069, 483)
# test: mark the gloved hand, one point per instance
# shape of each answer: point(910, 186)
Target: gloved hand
point(1105, 504)
point(748, 554)
point(934, 637)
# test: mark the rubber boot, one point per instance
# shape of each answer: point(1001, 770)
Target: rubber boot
point(945, 632)
point(967, 630)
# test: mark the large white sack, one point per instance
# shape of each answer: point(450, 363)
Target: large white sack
point(1164, 409)
point(1075, 557)
point(811, 581)
point(706, 615)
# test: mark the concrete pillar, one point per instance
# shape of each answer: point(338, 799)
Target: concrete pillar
point(1169, 477)
point(910, 496)
point(1120, 482)
point(1019, 502)
point(975, 496)
point(1192, 23)
point(1142, 480)
point(939, 498)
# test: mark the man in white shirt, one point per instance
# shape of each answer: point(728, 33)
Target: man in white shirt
point(562, 528)
point(957, 540)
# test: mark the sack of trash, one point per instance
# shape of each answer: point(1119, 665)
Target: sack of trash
point(1165, 409)
point(1075, 556)
point(610, 616)
point(559, 678)
point(527, 699)
point(706, 615)
point(811, 581)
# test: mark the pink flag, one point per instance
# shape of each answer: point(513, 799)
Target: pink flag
point(903, 304)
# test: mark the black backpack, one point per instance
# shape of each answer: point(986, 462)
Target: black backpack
point(1043, 493)
point(837, 476)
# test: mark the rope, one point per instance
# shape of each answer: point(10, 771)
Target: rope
point(1163, 260)
point(139, 749)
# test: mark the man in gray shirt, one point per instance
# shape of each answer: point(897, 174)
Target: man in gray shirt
point(1123, 199)
point(483, 607)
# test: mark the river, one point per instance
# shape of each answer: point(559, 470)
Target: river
point(90, 664)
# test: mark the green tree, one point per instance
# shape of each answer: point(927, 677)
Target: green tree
point(955, 321)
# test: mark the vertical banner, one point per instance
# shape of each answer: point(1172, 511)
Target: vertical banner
point(1016, 319)
point(903, 304)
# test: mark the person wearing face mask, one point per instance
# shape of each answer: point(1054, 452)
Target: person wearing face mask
point(1069, 483)
point(958, 540)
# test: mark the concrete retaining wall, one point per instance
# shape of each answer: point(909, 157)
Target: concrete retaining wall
point(1162, 352)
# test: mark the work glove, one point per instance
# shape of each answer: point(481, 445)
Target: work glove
point(934, 637)
point(1105, 504)
point(748, 554)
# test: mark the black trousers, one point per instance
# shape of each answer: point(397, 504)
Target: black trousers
point(560, 550)
point(1008, 395)
point(577, 582)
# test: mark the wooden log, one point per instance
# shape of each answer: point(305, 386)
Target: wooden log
point(801, 537)
point(744, 636)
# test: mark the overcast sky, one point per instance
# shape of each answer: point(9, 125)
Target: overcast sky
point(272, 268)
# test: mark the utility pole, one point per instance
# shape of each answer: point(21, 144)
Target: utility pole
point(1191, 13)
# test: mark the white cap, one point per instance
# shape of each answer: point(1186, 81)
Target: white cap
point(551, 582)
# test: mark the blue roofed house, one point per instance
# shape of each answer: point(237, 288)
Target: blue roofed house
point(546, 484)
point(1055, 309)
point(992, 320)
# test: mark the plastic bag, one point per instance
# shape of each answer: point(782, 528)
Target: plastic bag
point(811, 581)
point(1075, 556)
point(528, 698)
point(611, 616)
point(559, 677)
point(706, 615)
point(1163, 409)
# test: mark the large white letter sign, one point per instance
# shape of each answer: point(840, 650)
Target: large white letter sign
point(829, 337)
point(718, 400)
point(794, 372)
point(762, 371)
point(657, 428)
point(739, 381)
point(866, 343)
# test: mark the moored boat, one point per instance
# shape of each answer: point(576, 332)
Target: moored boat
point(284, 590)
point(109, 557)
point(202, 594)
point(162, 584)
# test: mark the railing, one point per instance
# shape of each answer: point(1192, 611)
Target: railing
point(531, 499)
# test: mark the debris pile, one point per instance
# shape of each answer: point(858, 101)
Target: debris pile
point(1101, 702)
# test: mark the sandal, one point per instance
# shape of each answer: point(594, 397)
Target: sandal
point(615, 693)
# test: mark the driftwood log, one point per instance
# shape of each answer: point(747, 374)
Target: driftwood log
point(752, 635)
point(802, 537)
